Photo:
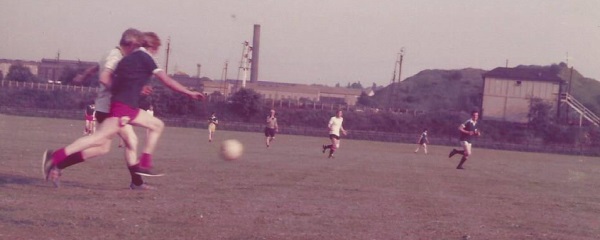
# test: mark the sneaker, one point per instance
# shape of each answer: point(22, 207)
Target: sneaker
point(47, 163)
point(147, 172)
point(331, 156)
point(324, 148)
point(452, 153)
point(460, 167)
point(144, 186)
point(54, 176)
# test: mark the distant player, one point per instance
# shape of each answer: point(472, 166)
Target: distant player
point(335, 127)
point(90, 119)
point(212, 125)
point(422, 141)
point(271, 128)
point(468, 130)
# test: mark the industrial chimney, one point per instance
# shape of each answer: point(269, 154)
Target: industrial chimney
point(255, 53)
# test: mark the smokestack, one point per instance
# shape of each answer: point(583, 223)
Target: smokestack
point(255, 53)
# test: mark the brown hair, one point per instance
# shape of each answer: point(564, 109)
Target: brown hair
point(151, 40)
point(131, 37)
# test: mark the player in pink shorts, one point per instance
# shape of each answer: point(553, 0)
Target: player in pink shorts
point(132, 73)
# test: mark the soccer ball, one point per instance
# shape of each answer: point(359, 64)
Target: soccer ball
point(231, 149)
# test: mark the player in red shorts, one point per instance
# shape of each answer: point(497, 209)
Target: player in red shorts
point(90, 126)
point(131, 75)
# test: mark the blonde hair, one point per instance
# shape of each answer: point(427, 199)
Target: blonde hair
point(151, 40)
point(131, 37)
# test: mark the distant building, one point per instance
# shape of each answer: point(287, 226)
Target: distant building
point(52, 69)
point(275, 90)
point(507, 92)
point(6, 63)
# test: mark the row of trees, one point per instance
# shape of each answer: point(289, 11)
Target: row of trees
point(246, 105)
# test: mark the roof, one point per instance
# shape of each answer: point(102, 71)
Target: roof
point(527, 74)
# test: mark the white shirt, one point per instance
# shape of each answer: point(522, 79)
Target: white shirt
point(335, 125)
point(111, 60)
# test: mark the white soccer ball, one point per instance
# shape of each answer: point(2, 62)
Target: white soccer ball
point(231, 149)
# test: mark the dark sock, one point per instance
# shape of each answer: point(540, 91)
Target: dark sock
point(70, 160)
point(331, 151)
point(462, 160)
point(135, 179)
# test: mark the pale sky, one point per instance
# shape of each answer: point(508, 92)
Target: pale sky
point(315, 41)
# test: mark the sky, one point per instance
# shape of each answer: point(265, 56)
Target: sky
point(315, 41)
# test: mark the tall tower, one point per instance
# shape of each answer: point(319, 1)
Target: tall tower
point(255, 53)
point(244, 63)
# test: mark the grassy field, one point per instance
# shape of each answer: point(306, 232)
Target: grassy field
point(371, 190)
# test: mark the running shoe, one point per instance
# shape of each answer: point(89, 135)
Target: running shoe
point(144, 186)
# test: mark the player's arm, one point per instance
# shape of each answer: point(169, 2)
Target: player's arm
point(85, 74)
point(462, 128)
point(276, 126)
point(176, 86)
point(343, 130)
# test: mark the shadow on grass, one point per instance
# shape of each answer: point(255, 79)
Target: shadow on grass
point(11, 179)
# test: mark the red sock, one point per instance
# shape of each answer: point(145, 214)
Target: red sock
point(58, 156)
point(146, 160)
point(70, 160)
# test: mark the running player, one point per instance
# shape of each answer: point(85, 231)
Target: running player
point(467, 131)
point(212, 125)
point(90, 126)
point(130, 40)
point(271, 128)
point(335, 127)
point(422, 141)
point(132, 73)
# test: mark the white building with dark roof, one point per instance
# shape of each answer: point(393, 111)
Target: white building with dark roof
point(507, 92)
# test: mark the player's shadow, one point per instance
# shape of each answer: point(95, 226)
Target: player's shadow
point(6, 179)
point(11, 179)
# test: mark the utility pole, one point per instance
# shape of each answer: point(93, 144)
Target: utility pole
point(168, 51)
point(198, 67)
point(393, 88)
point(224, 73)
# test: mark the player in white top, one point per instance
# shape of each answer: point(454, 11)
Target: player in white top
point(335, 127)
point(422, 141)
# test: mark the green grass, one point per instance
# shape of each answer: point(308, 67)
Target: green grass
point(372, 190)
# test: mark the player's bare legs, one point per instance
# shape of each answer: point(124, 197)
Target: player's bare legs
point(155, 128)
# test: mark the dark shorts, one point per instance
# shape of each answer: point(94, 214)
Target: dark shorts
point(333, 136)
point(423, 141)
point(101, 116)
point(120, 110)
point(89, 117)
point(269, 132)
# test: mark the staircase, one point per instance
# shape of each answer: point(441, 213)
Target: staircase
point(582, 110)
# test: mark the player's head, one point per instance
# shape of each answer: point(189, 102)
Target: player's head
point(272, 111)
point(475, 115)
point(151, 42)
point(339, 113)
point(130, 40)
point(212, 114)
point(424, 129)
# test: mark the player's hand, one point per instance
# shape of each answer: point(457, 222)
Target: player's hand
point(147, 90)
point(345, 132)
point(196, 95)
